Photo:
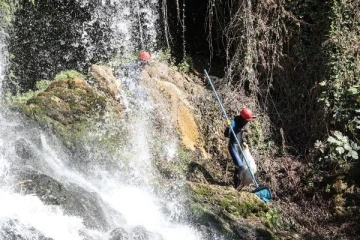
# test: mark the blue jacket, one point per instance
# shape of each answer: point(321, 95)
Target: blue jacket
point(237, 125)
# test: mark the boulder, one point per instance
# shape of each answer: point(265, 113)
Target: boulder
point(135, 233)
point(81, 112)
point(237, 215)
point(73, 199)
point(13, 229)
point(105, 80)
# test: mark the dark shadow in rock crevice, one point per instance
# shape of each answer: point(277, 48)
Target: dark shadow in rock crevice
point(195, 168)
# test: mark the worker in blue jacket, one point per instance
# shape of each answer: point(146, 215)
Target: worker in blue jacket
point(237, 124)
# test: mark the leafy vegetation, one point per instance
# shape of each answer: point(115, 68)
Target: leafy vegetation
point(340, 90)
point(338, 152)
point(186, 64)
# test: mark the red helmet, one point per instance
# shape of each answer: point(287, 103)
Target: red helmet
point(145, 56)
point(246, 114)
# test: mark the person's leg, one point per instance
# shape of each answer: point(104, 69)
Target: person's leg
point(234, 153)
point(236, 178)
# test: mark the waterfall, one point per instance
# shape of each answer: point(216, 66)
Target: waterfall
point(3, 55)
point(127, 202)
point(133, 25)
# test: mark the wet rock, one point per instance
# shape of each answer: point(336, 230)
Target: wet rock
point(73, 199)
point(136, 233)
point(105, 79)
point(77, 111)
point(68, 101)
point(13, 229)
point(118, 234)
point(170, 85)
point(24, 150)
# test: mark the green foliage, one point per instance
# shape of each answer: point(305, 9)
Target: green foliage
point(165, 55)
point(272, 218)
point(186, 64)
point(68, 74)
point(338, 151)
point(257, 137)
point(341, 89)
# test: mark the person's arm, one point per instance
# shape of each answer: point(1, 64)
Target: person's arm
point(227, 129)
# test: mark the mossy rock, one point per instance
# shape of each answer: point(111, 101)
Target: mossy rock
point(236, 214)
point(73, 109)
point(66, 106)
point(68, 101)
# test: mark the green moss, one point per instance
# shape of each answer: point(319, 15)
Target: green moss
point(183, 155)
point(272, 218)
point(42, 85)
point(68, 74)
point(113, 143)
point(10, 99)
point(22, 98)
point(225, 210)
point(67, 107)
point(239, 208)
point(231, 202)
point(7, 10)
point(74, 130)
point(177, 167)
point(203, 192)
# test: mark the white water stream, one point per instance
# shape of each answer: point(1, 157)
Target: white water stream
point(133, 23)
point(3, 55)
point(126, 204)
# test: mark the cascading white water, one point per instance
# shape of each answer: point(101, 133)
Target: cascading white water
point(3, 55)
point(127, 199)
point(132, 25)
